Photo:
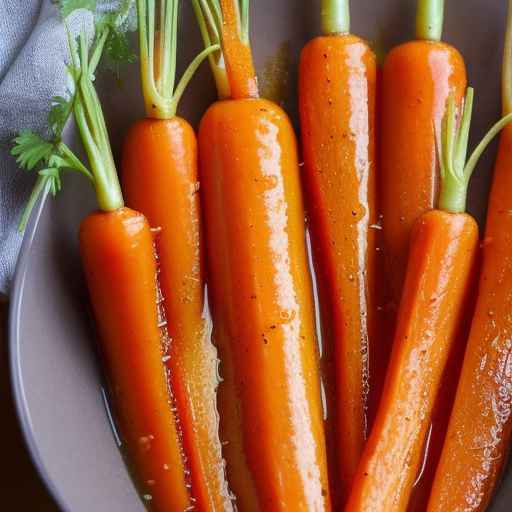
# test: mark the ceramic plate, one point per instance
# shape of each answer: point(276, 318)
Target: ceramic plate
point(55, 375)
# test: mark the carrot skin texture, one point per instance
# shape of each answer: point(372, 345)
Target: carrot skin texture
point(445, 400)
point(237, 53)
point(270, 407)
point(120, 268)
point(160, 179)
point(337, 87)
point(418, 78)
point(480, 429)
point(443, 251)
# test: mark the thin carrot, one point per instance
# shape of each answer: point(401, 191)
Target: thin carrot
point(444, 245)
point(260, 289)
point(116, 244)
point(418, 78)
point(160, 170)
point(337, 87)
point(479, 433)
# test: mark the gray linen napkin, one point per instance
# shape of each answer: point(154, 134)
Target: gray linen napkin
point(33, 53)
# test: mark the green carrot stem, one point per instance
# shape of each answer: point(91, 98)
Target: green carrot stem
point(94, 135)
point(507, 65)
point(209, 20)
point(158, 58)
point(335, 16)
point(455, 171)
point(430, 19)
point(39, 188)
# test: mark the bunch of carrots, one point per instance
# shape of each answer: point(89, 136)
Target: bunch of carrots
point(407, 404)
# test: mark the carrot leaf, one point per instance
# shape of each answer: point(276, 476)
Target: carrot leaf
point(61, 109)
point(209, 20)
point(158, 46)
point(47, 158)
point(456, 172)
point(31, 149)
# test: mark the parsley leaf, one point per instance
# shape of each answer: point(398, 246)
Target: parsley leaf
point(60, 111)
point(31, 149)
point(117, 51)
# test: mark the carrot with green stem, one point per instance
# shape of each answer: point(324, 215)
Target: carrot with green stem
point(260, 289)
point(116, 244)
point(160, 179)
point(417, 79)
point(478, 437)
point(337, 87)
point(444, 244)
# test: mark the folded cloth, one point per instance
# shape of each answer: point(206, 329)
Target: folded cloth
point(33, 56)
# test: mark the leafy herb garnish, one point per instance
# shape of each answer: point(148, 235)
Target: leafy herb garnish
point(49, 156)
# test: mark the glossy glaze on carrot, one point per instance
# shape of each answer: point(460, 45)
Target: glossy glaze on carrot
point(418, 78)
point(337, 105)
point(478, 437)
point(480, 427)
point(262, 304)
point(119, 263)
point(443, 248)
point(261, 298)
point(160, 178)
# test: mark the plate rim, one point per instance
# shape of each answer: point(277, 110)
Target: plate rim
point(14, 361)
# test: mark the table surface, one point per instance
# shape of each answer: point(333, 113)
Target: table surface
point(20, 485)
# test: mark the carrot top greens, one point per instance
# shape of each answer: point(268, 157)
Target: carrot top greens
point(227, 21)
point(456, 171)
point(158, 33)
point(335, 16)
point(209, 18)
point(49, 156)
point(430, 19)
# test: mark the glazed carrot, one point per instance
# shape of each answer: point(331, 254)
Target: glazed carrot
point(479, 433)
point(444, 245)
point(262, 307)
point(337, 86)
point(116, 245)
point(418, 77)
point(160, 179)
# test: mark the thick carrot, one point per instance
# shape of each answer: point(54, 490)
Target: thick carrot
point(418, 77)
point(337, 86)
point(120, 267)
point(443, 250)
point(480, 429)
point(270, 406)
point(160, 179)
point(117, 249)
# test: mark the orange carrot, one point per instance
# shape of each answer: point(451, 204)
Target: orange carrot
point(444, 245)
point(116, 244)
point(159, 170)
point(337, 86)
point(418, 78)
point(480, 429)
point(270, 406)
point(117, 253)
